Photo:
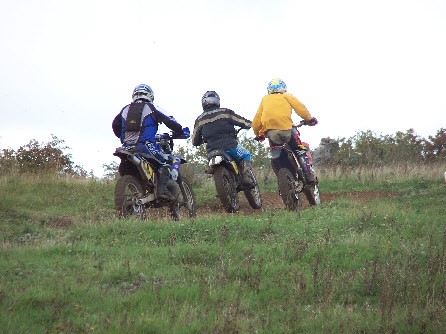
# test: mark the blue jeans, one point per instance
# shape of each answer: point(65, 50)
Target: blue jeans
point(239, 153)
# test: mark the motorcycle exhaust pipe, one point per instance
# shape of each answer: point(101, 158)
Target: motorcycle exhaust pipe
point(144, 200)
point(134, 159)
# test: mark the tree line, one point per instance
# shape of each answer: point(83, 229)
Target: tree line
point(365, 148)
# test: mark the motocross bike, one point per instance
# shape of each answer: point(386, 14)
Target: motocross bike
point(291, 177)
point(135, 191)
point(228, 181)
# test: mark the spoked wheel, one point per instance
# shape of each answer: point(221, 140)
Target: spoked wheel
point(226, 187)
point(184, 206)
point(313, 194)
point(253, 195)
point(288, 189)
point(127, 191)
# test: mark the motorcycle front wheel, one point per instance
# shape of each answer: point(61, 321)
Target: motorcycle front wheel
point(184, 206)
point(226, 187)
point(253, 195)
point(288, 190)
point(127, 191)
point(313, 194)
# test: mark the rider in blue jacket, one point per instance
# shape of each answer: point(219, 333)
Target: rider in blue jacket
point(136, 125)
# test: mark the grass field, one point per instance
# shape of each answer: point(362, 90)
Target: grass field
point(372, 264)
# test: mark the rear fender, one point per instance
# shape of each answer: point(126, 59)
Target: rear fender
point(274, 153)
point(287, 158)
point(135, 165)
point(220, 157)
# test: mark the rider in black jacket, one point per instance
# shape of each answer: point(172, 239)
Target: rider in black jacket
point(215, 127)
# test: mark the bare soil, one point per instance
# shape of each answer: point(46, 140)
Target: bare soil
point(213, 207)
point(272, 201)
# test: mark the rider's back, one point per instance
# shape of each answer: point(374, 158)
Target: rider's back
point(274, 112)
point(216, 128)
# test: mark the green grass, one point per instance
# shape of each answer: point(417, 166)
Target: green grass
point(68, 265)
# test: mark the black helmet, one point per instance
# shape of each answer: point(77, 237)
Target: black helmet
point(210, 98)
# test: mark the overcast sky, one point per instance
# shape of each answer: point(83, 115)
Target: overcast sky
point(67, 67)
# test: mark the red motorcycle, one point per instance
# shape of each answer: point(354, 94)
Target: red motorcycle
point(295, 172)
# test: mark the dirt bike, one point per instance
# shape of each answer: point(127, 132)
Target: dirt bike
point(228, 181)
point(290, 176)
point(135, 191)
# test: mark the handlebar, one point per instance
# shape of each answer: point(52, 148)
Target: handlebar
point(298, 125)
point(160, 136)
point(172, 135)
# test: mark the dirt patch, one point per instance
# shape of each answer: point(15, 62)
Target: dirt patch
point(359, 195)
point(272, 201)
point(61, 222)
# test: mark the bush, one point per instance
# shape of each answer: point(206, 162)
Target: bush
point(38, 158)
point(368, 149)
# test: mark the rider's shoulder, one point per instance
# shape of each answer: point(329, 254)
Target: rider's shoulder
point(289, 95)
point(227, 110)
point(219, 111)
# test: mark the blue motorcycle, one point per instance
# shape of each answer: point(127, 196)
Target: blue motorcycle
point(136, 189)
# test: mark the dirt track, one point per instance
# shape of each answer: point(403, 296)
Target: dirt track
point(272, 201)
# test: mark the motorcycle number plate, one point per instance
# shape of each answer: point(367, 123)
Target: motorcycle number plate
point(147, 169)
point(234, 165)
point(215, 160)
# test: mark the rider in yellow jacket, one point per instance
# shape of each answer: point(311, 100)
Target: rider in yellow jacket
point(274, 112)
point(273, 118)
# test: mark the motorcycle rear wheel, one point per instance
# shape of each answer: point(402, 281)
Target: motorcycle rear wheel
point(226, 187)
point(184, 206)
point(287, 189)
point(127, 191)
point(253, 195)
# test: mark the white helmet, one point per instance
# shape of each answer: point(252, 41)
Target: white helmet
point(143, 92)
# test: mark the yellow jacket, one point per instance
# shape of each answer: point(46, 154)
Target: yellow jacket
point(275, 113)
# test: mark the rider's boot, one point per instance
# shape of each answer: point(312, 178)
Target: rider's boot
point(309, 176)
point(172, 184)
point(246, 169)
point(307, 169)
point(163, 179)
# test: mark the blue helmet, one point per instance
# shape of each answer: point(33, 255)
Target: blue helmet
point(143, 92)
point(276, 86)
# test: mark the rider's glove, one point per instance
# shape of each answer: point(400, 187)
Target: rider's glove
point(260, 138)
point(184, 134)
point(311, 122)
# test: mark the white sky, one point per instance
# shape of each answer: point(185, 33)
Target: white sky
point(67, 67)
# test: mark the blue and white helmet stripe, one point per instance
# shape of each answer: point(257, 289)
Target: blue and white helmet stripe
point(276, 86)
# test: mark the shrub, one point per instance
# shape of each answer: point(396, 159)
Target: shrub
point(38, 158)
